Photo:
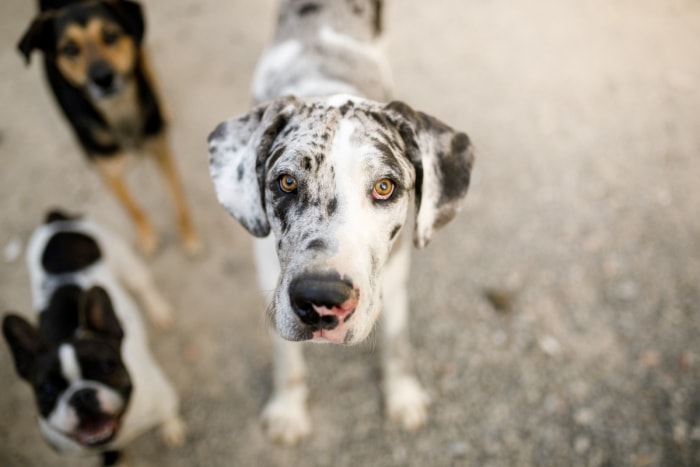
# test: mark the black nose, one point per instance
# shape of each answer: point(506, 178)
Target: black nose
point(102, 75)
point(85, 402)
point(321, 290)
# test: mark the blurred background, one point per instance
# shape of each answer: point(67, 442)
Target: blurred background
point(555, 321)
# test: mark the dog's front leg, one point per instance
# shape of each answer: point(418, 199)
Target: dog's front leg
point(166, 163)
point(111, 170)
point(136, 277)
point(406, 401)
point(286, 416)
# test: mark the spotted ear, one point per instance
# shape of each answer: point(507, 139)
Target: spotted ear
point(238, 149)
point(25, 343)
point(443, 161)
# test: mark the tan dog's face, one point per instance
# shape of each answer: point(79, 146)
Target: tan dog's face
point(93, 44)
point(96, 55)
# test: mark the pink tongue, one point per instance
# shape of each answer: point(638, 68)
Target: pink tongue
point(95, 431)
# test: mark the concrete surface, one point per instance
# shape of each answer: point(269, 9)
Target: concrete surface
point(555, 321)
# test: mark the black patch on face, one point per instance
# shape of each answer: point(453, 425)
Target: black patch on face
point(69, 252)
point(100, 360)
point(394, 232)
point(275, 156)
point(240, 172)
point(48, 382)
point(308, 8)
point(332, 206)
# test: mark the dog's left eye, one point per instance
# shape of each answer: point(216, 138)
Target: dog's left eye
point(383, 189)
point(288, 183)
point(70, 49)
point(110, 37)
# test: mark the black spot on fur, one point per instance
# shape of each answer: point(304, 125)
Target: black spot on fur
point(345, 108)
point(394, 232)
point(69, 252)
point(276, 155)
point(332, 206)
point(219, 132)
point(306, 163)
point(240, 172)
point(308, 8)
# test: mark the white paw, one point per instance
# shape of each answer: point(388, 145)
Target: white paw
point(407, 402)
point(159, 312)
point(173, 432)
point(285, 417)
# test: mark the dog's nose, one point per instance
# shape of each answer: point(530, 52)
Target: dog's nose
point(322, 301)
point(84, 401)
point(102, 75)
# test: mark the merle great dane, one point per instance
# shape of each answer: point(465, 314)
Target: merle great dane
point(332, 179)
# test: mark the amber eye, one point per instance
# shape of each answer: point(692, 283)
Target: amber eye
point(70, 49)
point(383, 189)
point(109, 37)
point(288, 183)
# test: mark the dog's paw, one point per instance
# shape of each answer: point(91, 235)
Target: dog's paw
point(407, 402)
point(173, 432)
point(192, 245)
point(147, 242)
point(159, 312)
point(286, 418)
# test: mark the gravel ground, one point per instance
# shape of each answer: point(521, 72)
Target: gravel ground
point(555, 320)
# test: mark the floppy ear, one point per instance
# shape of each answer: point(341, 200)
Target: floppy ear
point(130, 17)
point(25, 343)
point(39, 35)
point(443, 160)
point(238, 149)
point(97, 314)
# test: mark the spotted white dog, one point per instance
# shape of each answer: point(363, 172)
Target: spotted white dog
point(330, 179)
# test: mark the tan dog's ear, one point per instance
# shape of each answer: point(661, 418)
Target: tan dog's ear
point(443, 161)
point(238, 149)
point(39, 35)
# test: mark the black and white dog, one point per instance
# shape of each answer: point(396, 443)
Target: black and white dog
point(95, 382)
point(332, 180)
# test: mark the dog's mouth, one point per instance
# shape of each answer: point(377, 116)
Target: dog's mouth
point(97, 430)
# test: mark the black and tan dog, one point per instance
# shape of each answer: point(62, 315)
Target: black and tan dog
point(99, 73)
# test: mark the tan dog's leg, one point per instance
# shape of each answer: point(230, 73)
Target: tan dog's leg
point(166, 164)
point(111, 169)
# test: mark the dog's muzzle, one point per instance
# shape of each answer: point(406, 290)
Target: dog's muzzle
point(103, 79)
point(324, 303)
point(95, 427)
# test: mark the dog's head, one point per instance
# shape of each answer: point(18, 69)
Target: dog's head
point(81, 385)
point(334, 180)
point(94, 43)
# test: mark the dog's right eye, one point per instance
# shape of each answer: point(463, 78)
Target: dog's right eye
point(288, 183)
point(70, 49)
point(47, 390)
